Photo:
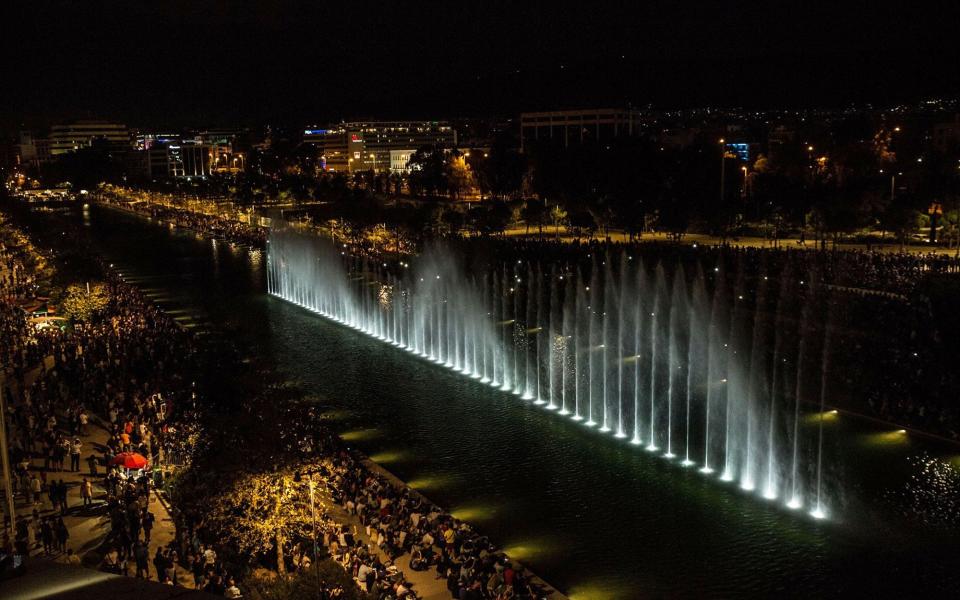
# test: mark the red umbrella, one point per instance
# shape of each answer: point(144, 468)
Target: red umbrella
point(129, 460)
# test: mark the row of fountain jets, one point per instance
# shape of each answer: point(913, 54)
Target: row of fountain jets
point(672, 359)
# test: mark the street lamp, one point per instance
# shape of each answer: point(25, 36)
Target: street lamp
point(313, 515)
point(723, 156)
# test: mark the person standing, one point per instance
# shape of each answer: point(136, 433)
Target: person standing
point(92, 463)
point(46, 535)
point(86, 492)
point(62, 535)
point(160, 564)
point(62, 496)
point(36, 488)
point(75, 449)
point(53, 492)
point(198, 567)
point(141, 555)
point(147, 524)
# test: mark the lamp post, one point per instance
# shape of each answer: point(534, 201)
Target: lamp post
point(723, 168)
point(313, 516)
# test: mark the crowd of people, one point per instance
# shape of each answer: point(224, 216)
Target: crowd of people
point(166, 208)
point(127, 367)
point(399, 521)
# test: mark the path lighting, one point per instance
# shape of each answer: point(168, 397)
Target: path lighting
point(297, 477)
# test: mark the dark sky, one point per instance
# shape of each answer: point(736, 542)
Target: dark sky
point(199, 62)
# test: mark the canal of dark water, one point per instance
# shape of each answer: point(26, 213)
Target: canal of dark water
point(593, 516)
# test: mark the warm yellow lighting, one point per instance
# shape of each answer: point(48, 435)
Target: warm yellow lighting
point(815, 418)
point(472, 514)
point(382, 458)
point(359, 434)
point(600, 590)
point(887, 438)
point(427, 483)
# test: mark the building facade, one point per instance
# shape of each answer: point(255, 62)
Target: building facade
point(566, 127)
point(73, 136)
point(34, 149)
point(400, 160)
point(369, 145)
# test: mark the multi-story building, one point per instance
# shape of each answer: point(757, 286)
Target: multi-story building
point(145, 141)
point(567, 127)
point(70, 137)
point(9, 154)
point(366, 145)
point(34, 148)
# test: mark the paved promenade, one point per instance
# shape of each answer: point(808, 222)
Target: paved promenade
point(90, 526)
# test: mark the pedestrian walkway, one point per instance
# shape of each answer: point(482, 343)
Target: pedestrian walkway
point(425, 583)
point(89, 526)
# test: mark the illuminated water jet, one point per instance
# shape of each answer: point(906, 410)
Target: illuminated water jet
point(659, 355)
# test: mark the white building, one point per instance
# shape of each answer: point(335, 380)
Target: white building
point(400, 160)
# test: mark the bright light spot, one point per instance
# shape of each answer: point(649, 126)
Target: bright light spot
point(473, 513)
point(359, 434)
point(387, 457)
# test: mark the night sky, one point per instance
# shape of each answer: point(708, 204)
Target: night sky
point(195, 62)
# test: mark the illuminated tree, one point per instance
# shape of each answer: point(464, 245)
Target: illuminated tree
point(82, 303)
point(559, 216)
point(261, 512)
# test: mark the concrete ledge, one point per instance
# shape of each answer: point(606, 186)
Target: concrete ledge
point(48, 579)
